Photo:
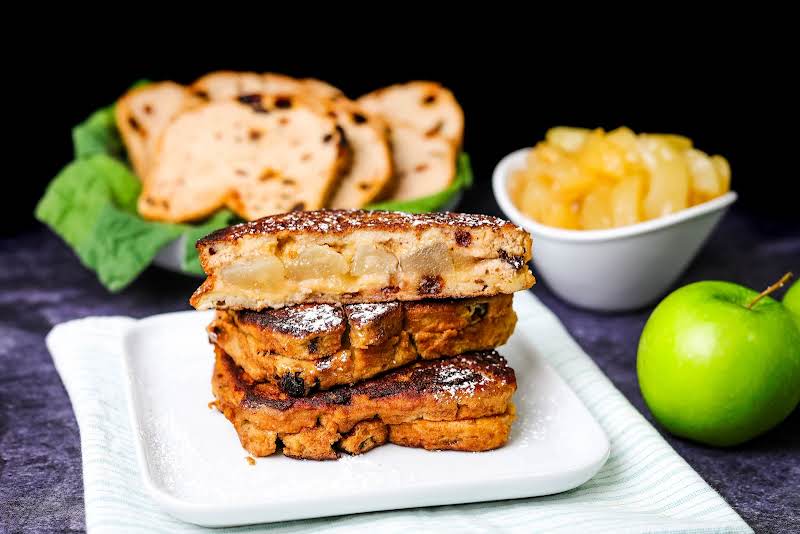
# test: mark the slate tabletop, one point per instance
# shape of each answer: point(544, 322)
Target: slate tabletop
point(42, 284)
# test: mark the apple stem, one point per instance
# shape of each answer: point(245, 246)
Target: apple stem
point(774, 287)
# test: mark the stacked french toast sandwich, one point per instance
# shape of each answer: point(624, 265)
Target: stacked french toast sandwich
point(342, 330)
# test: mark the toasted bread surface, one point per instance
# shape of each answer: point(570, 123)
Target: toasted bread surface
point(353, 256)
point(462, 388)
point(312, 347)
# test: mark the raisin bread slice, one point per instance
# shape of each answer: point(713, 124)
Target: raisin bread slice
point(231, 84)
point(426, 106)
point(257, 155)
point(423, 164)
point(142, 114)
point(370, 175)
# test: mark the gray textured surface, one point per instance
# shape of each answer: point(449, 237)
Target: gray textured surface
point(42, 284)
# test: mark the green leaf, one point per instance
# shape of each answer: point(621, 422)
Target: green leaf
point(438, 200)
point(122, 245)
point(74, 199)
point(98, 135)
point(91, 204)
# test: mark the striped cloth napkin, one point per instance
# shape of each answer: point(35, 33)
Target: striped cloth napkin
point(644, 487)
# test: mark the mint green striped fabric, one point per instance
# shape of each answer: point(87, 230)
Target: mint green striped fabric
point(644, 487)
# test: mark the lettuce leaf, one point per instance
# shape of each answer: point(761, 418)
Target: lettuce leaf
point(98, 135)
point(91, 204)
point(463, 180)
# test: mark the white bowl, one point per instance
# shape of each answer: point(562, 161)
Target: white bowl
point(616, 269)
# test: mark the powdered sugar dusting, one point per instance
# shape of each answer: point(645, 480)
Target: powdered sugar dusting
point(314, 319)
point(342, 221)
point(365, 313)
point(457, 380)
point(301, 320)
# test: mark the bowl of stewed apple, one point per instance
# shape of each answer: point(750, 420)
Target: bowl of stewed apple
point(616, 217)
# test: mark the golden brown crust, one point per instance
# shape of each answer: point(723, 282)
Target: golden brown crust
point(348, 221)
point(479, 434)
point(364, 437)
point(316, 347)
point(464, 387)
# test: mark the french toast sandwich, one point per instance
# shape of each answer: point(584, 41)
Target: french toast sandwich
point(459, 403)
point(337, 331)
point(309, 347)
point(356, 256)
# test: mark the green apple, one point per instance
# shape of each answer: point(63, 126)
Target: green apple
point(716, 368)
point(792, 301)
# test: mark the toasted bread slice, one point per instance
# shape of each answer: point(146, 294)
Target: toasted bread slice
point(354, 256)
point(427, 107)
point(311, 347)
point(258, 155)
point(462, 389)
point(231, 84)
point(142, 114)
point(424, 164)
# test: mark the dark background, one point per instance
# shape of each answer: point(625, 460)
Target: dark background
point(732, 92)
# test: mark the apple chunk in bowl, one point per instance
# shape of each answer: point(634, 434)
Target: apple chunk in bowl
point(612, 269)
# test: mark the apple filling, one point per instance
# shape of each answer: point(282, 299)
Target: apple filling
point(318, 267)
point(315, 261)
point(429, 260)
point(254, 273)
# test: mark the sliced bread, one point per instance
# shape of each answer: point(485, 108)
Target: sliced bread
point(259, 154)
point(370, 174)
point(426, 106)
point(142, 114)
point(423, 164)
point(231, 84)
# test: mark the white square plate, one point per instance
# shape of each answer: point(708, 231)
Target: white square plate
point(195, 469)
